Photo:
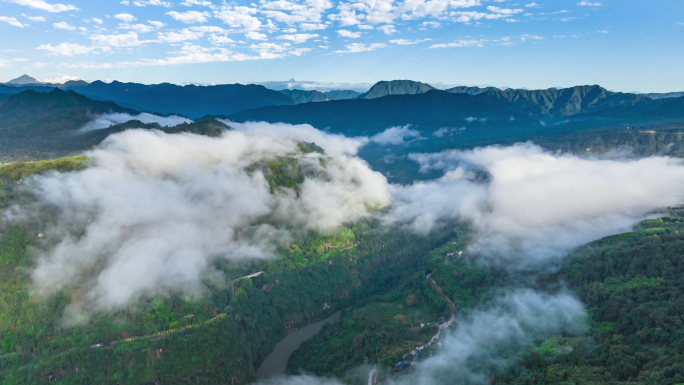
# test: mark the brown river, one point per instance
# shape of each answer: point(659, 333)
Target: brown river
point(276, 362)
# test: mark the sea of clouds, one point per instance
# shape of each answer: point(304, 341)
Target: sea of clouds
point(155, 211)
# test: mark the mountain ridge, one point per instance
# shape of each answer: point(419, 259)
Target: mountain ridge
point(396, 87)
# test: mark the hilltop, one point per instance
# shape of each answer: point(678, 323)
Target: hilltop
point(396, 87)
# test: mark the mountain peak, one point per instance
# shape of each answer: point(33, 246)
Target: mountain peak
point(396, 87)
point(23, 79)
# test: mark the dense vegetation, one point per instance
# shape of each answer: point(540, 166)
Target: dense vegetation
point(407, 315)
point(175, 340)
point(633, 285)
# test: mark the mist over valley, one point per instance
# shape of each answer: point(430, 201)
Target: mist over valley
point(464, 192)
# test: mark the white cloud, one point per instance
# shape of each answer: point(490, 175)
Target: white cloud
point(256, 36)
point(360, 47)
point(349, 34)
point(124, 2)
point(536, 204)
point(143, 3)
point(388, 29)
point(395, 136)
point(432, 24)
point(239, 16)
point(218, 40)
point(108, 120)
point(484, 340)
point(532, 5)
point(42, 5)
point(289, 30)
point(156, 24)
point(312, 26)
point(588, 4)
point(363, 26)
point(190, 17)
point(190, 3)
point(408, 42)
point(291, 12)
point(35, 18)
point(297, 37)
point(129, 39)
point(11, 21)
point(446, 130)
point(603, 31)
point(65, 49)
point(97, 21)
point(503, 11)
point(175, 37)
point(133, 244)
point(125, 17)
point(58, 79)
point(462, 43)
point(530, 37)
point(64, 25)
point(139, 28)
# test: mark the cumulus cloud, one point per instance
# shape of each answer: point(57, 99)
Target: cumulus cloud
point(125, 17)
point(107, 120)
point(532, 205)
point(408, 42)
point(44, 6)
point(156, 210)
point(190, 17)
point(11, 21)
point(65, 49)
point(395, 135)
point(360, 47)
point(349, 34)
point(489, 337)
point(64, 25)
point(298, 37)
point(239, 16)
point(446, 130)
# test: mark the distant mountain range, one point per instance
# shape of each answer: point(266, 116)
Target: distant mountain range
point(39, 125)
point(589, 106)
point(199, 101)
point(190, 100)
point(301, 96)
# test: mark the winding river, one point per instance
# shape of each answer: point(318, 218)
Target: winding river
point(276, 362)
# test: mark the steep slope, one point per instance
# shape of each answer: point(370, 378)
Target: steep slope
point(190, 100)
point(396, 87)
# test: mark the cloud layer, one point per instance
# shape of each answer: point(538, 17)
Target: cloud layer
point(156, 210)
point(105, 121)
point(527, 203)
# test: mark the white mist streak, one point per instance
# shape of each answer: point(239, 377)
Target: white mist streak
point(534, 204)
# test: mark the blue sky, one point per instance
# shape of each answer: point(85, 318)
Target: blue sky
point(623, 45)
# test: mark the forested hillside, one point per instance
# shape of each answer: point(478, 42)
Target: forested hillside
point(632, 284)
